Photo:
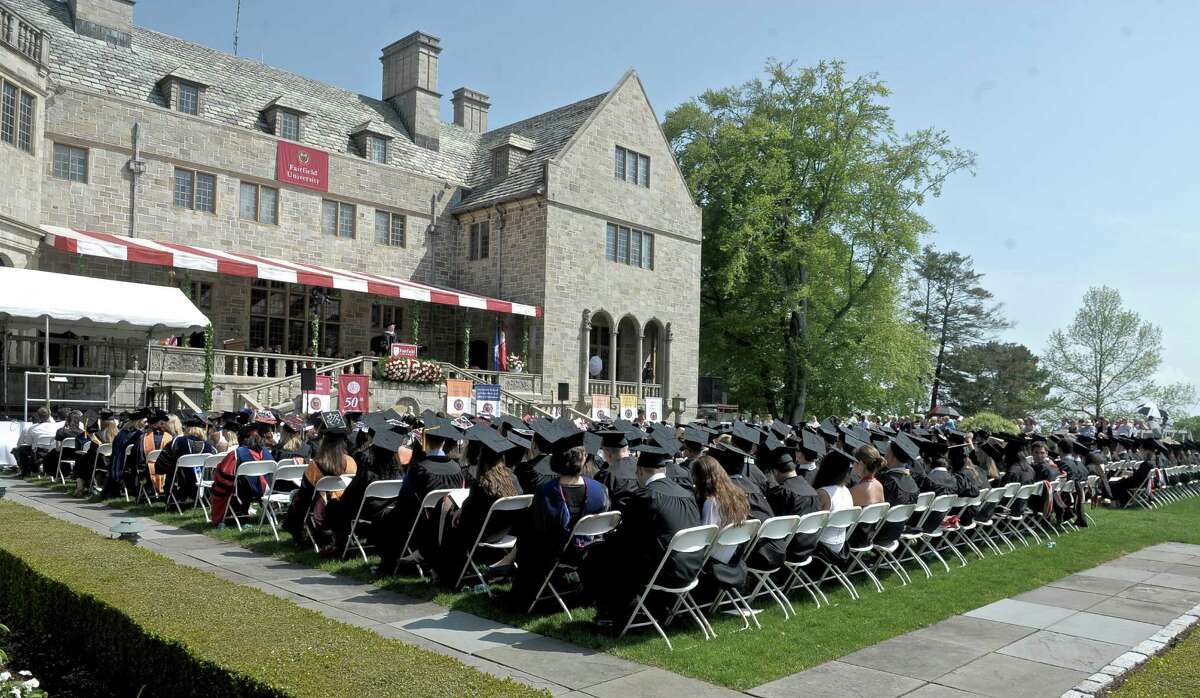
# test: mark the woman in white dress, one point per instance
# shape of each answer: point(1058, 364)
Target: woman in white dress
point(830, 483)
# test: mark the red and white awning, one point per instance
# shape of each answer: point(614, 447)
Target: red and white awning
point(170, 254)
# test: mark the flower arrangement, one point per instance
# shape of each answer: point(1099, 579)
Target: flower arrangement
point(516, 364)
point(21, 685)
point(402, 370)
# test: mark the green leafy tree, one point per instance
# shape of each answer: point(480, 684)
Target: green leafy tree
point(1190, 425)
point(951, 307)
point(1106, 358)
point(996, 377)
point(810, 201)
point(1175, 398)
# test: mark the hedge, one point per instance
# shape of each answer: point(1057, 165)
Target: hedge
point(139, 619)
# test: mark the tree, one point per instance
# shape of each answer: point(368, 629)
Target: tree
point(1106, 358)
point(1190, 425)
point(809, 199)
point(1175, 398)
point(997, 377)
point(951, 307)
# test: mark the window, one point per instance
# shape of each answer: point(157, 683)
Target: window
point(632, 167)
point(337, 218)
point(189, 98)
point(383, 314)
point(287, 125)
point(281, 317)
point(389, 228)
point(258, 203)
point(16, 117)
point(480, 242)
point(377, 149)
point(629, 246)
point(202, 294)
point(195, 190)
point(70, 162)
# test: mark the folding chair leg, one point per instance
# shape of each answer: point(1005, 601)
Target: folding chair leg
point(916, 557)
point(929, 546)
point(749, 612)
point(641, 608)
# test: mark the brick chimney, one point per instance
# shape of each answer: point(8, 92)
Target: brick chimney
point(410, 85)
point(110, 20)
point(471, 109)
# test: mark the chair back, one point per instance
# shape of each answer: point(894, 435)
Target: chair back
point(433, 497)
point(873, 514)
point(943, 503)
point(105, 450)
point(517, 503)
point(152, 456)
point(68, 444)
point(330, 484)
point(690, 540)
point(256, 468)
point(738, 534)
point(893, 524)
point(213, 460)
point(780, 527)
point(1027, 490)
point(596, 524)
point(45, 443)
point(809, 524)
point(383, 489)
point(289, 473)
point(843, 518)
point(900, 513)
point(191, 460)
point(129, 450)
point(924, 499)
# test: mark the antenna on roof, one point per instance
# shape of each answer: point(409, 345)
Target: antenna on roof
point(237, 20)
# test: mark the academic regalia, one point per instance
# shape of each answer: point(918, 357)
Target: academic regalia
point(898, 486)
point(116, 474)
point(449, 556)
point(620, 479)
point(619, 568)
point(434, 472)
point(534, 473)
point(1124, 488)
point(376, 463)
point(938, 481)
point(1019, 472)
point(795, 496)
point(165, 466)
point(553, 513)
point(681, 473)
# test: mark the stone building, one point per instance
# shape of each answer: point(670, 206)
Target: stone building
point(149, 158)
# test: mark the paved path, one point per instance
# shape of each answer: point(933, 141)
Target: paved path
point(1040, 643)
point(497, 649)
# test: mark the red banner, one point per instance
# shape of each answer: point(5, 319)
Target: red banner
point(404, 351)
point(303, 166)
point(353, 393)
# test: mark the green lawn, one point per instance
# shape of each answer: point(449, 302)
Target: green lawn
point(1172, 673)
point(814, 635)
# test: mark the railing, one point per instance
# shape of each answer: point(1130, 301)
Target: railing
point(509, 403)
point(529, 383)
point(23, 36)
point(281, 390)
point(103, 356)
point(603, 387)
point(250, 364)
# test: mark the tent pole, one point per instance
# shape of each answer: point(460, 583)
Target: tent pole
point(47, 352)
point(5, 348)
point(146, 380)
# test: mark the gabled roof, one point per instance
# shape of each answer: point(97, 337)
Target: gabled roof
point(549, 132)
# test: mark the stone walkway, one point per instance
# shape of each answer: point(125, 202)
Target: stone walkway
point(1040, 643)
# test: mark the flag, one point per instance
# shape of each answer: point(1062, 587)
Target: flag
point(500, 351)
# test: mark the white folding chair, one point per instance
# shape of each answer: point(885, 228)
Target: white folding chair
point(590, 526)
point(810, 524)
point(507, 541)
point(843, 520)
point(195, 461)
point(932, 532)
point(684, 542)
point(327, 487)
point(274, 502)
point(145, 479)
point(43, 445)
point(985, 521)
point(103, 456)
point(380, 489)
point(735, 536)
point(887, 541)
point(860, 540)
point(778, 528)
point(205, 483)
point(67, 444)
point(248, 469)
point(433, 499)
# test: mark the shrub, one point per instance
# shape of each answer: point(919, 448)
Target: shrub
point(140, 619)
point(988, 421)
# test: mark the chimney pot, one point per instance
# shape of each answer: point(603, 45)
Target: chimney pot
point(471, 109)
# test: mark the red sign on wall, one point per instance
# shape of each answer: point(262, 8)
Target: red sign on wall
point(404, 351)
point(303, 166)
point(353, 393)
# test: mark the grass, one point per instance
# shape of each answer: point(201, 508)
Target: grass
point(239, 629)
point(815, 635)
point(1172, 673)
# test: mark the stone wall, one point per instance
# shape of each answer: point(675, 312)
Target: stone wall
point(20, 195)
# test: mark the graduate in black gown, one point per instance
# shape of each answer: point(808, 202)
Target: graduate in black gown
point(556, 507)
point(381, 459)
point(493, 479)
point(898, 486)
point(1124, 488)
point(809, 449)
point(534, 470)
point(618, 569)
point(619, 472)
point(746, 438)
point(937, 477)
point(431, 469)
point(790, 494)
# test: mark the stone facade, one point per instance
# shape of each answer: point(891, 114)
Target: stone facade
point(545, 186)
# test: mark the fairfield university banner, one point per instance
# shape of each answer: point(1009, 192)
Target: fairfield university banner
point(301, 165)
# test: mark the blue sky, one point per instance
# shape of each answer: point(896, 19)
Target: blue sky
point(1082, 114)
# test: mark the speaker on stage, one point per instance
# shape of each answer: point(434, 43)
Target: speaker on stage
point(564, 392)
point(308, 379)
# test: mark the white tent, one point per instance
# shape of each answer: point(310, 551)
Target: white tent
point(31, 299)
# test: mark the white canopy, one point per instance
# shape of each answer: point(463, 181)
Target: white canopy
point(99, 307)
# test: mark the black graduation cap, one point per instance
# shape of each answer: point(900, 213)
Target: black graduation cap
point(107, 415)
point(731, 458)
point(839, 457)
point(375, 420)
point(613, 438)
point(695, 438)
point(516, 437)
point(293, 423)
point(192, 419)
point(157, 416)
point(544, 432)
point(390, 437)
point(994, 448)
point(491, 441)
point(664, 436)
point(591, 443)
point(746, 434)
point(651, 455)
point(778, 458)
point(441, 428)
point(812, 445)
point(334, 423)
point(906, 448)
point(853, 439)
point(828, 428)
point(1154, 445)
point(781, 429)
point(770, 443)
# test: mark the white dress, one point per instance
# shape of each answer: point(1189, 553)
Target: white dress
point(839, 498)
point(712, 515)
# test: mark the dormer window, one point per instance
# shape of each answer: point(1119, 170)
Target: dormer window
point(284, 119)
point(371, 141)
point(182, 92)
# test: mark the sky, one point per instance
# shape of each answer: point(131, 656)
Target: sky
point(1082, 114)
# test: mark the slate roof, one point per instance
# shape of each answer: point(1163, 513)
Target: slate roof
point(238, 89)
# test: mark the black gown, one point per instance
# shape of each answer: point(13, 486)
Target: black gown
point(681, 473)
point(620, 479)
point(1123, 489)
point(1019, 472)
point(533, 473)
point(433, 473)
point(375, 464)
point(619, 568)
point(936, 480)
point(793, 497)
point(451, 555)
point(544, 537)
point(898, 486)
